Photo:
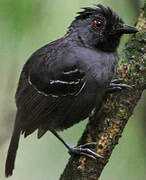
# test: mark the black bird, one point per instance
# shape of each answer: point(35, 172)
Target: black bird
point(62, 82)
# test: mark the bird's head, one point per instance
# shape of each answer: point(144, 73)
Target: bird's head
point(100, 28)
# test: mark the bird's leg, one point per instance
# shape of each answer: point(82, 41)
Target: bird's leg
point(80, 150)
point(114, 86)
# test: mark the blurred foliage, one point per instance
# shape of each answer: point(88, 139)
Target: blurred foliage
point(26, 26)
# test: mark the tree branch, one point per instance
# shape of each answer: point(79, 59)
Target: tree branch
point(107, 126)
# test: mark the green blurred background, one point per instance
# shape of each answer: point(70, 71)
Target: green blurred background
point(25, 26)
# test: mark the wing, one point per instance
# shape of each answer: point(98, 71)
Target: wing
point(69, 83)
point(43, 91)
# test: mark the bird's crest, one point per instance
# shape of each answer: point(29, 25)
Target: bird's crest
point(106, 12)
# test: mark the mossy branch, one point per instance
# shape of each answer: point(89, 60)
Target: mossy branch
point(107, 127)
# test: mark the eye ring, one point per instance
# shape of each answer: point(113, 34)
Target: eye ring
point(98, 24)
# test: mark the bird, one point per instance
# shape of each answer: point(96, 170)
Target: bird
point(64, 81)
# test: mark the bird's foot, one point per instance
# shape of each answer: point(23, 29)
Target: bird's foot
point(84, 150)
point(81, 149)
point(114, 86)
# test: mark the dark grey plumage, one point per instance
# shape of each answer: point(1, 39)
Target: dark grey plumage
point(62, 82)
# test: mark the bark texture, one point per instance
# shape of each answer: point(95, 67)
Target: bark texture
point(107, 126)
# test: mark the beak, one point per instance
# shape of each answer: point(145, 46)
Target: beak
point(126, 29)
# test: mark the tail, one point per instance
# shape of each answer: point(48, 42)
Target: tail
point(10, 161)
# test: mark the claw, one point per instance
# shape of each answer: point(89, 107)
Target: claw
point(114, 87)
point(119, 85)
point(116, 80)
point(84, 151)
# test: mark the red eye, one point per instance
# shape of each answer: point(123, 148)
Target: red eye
point(98, 24)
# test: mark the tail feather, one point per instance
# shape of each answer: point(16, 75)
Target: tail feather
point(10, 161)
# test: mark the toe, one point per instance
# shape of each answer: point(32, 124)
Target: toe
point(88, 155)
point(91, 144)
